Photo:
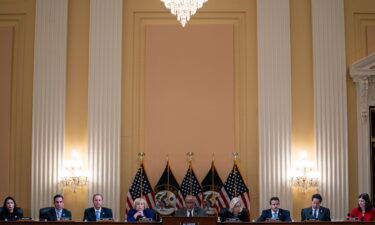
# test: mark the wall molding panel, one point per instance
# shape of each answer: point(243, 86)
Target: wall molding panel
point(105, 47)
point(275, 109)
point(48, 101)
point(331, 103)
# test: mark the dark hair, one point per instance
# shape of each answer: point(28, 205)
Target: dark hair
point(57, 196)
point(97, 195)
point(317, 196)
point(274, 199)
point(5, 208)
point(368, 204)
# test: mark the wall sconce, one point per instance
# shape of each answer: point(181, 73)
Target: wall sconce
point(74, 176)
point(304, 174)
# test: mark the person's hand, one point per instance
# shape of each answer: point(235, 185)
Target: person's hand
point(138, 214)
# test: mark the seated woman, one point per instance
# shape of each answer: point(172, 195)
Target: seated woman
point(10, 211)
point(236, 212)
point(140, 212)
point(364, 211)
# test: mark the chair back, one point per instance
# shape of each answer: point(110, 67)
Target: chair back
point(43, 213)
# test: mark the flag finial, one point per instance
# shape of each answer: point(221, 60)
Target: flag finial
point(141, 155)
point(235, 156)
point(190, 156)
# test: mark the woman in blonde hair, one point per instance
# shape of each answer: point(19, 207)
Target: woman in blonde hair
point(140, 212)
point(236, 211)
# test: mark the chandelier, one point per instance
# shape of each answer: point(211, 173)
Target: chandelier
point(74, 176)
point(304, 176)
point(183, 9)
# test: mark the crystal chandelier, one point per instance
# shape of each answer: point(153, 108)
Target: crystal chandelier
point(304, 176)
point(183, 9)
point(73, 175)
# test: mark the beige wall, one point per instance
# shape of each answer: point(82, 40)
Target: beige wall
point(303, 136)
point(189, 98)
point(6, 53)
point(76, 97)
point(19, 16)
point(370, 39)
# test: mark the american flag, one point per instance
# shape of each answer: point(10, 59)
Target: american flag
point(235, 187)
point(191, 186)
point(213, 182)
point(140, 182)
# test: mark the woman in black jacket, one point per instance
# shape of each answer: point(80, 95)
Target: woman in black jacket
point(10, 211)
point(236, 212)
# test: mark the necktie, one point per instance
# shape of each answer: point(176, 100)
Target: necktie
point(315, 214)
point(190, 213)
point(274, 216)
point(97, 214)
point(58, 213)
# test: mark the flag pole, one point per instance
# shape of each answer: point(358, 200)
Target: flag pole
point(190, 157)
point(213, 180)
point(235, 155)
point(141, 155)
point(168, 179)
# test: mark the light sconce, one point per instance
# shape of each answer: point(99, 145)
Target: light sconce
point(74, 176)
point(304, 174)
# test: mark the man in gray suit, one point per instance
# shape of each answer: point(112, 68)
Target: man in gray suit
point(190, 209)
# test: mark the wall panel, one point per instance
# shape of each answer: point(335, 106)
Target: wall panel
point(275, 109)
point(331, 103)
point(104, 101)
point(48, 101)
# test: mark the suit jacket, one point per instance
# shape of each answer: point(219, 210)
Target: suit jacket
point(369, 216)
point(89, 214)
point(50, 215)
point(16, 215)
point(226, 214)
point(283, 215)
point(148, 213)
point(324, 214)
point(196, 212)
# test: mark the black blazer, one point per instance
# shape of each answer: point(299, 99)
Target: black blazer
point(284, 215)
point(89, 214)
point(324, 214)
point(16, 215)
point(50, 214)
point(226, 214)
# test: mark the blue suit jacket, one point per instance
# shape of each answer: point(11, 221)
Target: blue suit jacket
point(89, 214)
point(284, 215)
point(324, 214)
point(50, 215)
point(148, 213)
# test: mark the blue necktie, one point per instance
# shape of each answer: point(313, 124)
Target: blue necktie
point(97, 213)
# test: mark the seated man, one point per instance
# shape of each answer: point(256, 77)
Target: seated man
point(275, 213)
point(190, 209)
point(316, 211)
point(140, 212)
point(58, 212)
point(97, 212)
point(236, 211)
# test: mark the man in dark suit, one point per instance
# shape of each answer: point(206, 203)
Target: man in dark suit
point(97, 212)
point(275, 212)
point(190, 209)
point(316, 211)
point(58, 212)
